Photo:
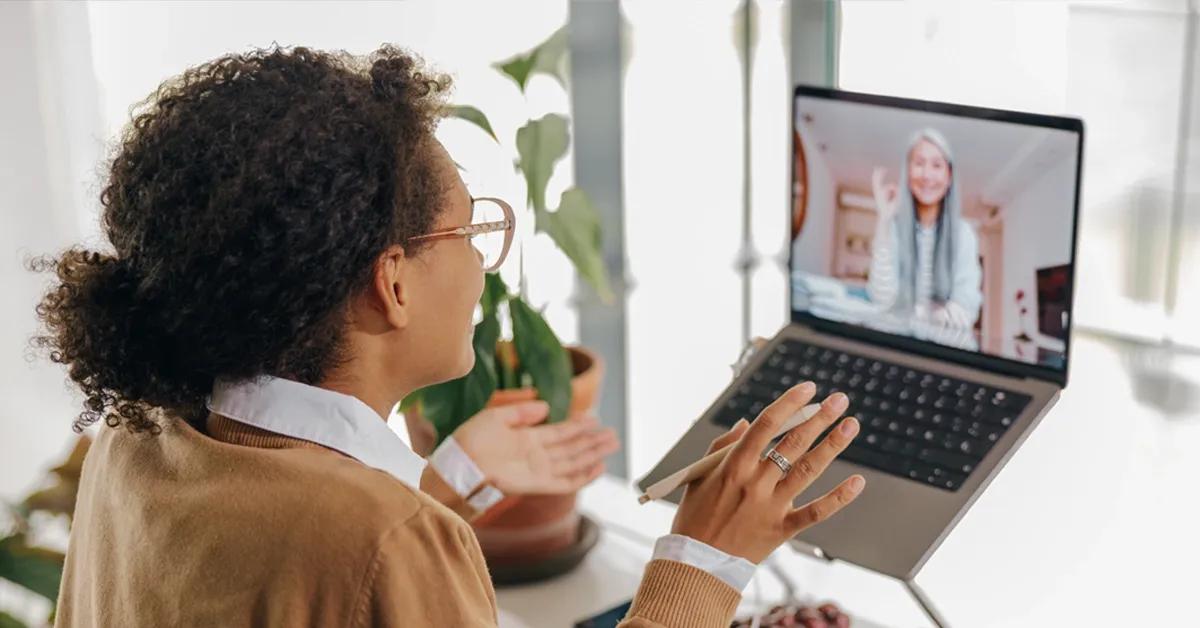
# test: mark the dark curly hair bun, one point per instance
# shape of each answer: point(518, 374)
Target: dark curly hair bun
point(246, 202)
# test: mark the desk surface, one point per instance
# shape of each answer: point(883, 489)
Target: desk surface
point(1092, 523)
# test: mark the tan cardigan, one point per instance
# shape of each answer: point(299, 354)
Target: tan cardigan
point(243, 527)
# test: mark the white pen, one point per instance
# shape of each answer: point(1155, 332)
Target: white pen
point(705, 465)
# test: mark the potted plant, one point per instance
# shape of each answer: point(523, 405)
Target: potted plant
point(530, 363)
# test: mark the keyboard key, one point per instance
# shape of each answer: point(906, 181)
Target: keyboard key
point(877, 459)
point(947, 460)
point(950, 481)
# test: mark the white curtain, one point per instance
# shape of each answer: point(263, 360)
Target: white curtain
point(49, 149)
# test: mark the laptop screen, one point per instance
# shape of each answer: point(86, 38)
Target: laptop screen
point(944, 224)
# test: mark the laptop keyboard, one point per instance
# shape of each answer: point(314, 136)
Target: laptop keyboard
point(915, 424)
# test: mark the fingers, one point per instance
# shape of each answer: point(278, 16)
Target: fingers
point(574, 482)
point(523, 413)
point(565, 430)
point(747, 450)
point(797, 441)
point(732, 435)
point(813, 463)
point(585, 460)
point(877, 176)
point(585, 449)
point(826, 506)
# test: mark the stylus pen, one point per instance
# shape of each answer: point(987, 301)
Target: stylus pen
point(705, 465)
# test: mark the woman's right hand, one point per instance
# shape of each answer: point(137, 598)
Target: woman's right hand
point(885, 194)
point(745, 507)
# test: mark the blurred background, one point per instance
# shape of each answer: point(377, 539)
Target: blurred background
point(680, 112)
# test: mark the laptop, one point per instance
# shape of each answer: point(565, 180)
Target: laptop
point(932, 269)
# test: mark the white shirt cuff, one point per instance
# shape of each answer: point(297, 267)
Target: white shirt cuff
point(732, 570)
point(463, 475)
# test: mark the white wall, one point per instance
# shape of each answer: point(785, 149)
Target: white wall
point(1037, 234)
point(682, 153)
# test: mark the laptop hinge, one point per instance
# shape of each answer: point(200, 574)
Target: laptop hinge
point(809, 550)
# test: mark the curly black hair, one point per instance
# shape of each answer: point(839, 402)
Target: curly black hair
point(246, 202)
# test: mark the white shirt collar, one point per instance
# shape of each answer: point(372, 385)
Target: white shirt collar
point(332, 419)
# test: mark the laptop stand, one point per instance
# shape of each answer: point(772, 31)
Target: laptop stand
point(914, 590)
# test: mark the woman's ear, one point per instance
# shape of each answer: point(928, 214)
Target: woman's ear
point(389, 287)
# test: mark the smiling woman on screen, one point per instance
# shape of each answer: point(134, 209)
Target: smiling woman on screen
point(926, 257)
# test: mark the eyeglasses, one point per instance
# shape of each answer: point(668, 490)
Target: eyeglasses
point(490, 231)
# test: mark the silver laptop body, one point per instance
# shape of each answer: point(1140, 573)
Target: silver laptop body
point(899, 521)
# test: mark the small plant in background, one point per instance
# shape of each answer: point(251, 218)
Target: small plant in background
point(34, 568)
point(533, 356)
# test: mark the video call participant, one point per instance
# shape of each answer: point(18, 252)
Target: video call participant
point(925, 262)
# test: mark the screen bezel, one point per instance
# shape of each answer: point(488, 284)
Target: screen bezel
point(970, 358)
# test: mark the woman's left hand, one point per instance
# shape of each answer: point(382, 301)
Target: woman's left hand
point(520, 455)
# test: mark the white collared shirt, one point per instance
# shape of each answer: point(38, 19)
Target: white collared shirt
point(345, 424)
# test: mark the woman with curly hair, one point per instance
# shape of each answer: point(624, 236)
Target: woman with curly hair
point(291, 254)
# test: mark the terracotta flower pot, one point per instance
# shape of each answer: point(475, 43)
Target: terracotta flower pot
point(528, 528)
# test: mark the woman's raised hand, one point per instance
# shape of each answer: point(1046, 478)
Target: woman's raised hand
point(745, 507)
point(885, 194)
point(522, 455)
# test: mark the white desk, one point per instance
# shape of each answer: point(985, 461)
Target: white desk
point(1093, 523)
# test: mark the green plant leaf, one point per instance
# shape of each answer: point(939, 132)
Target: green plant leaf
point(543, 357)
point(35, 568)
point(8, 621)
point(575, 228)
point(540, 144)
point(450, 404)
point(472, 115)
point(495, 292)
point(548, 57)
